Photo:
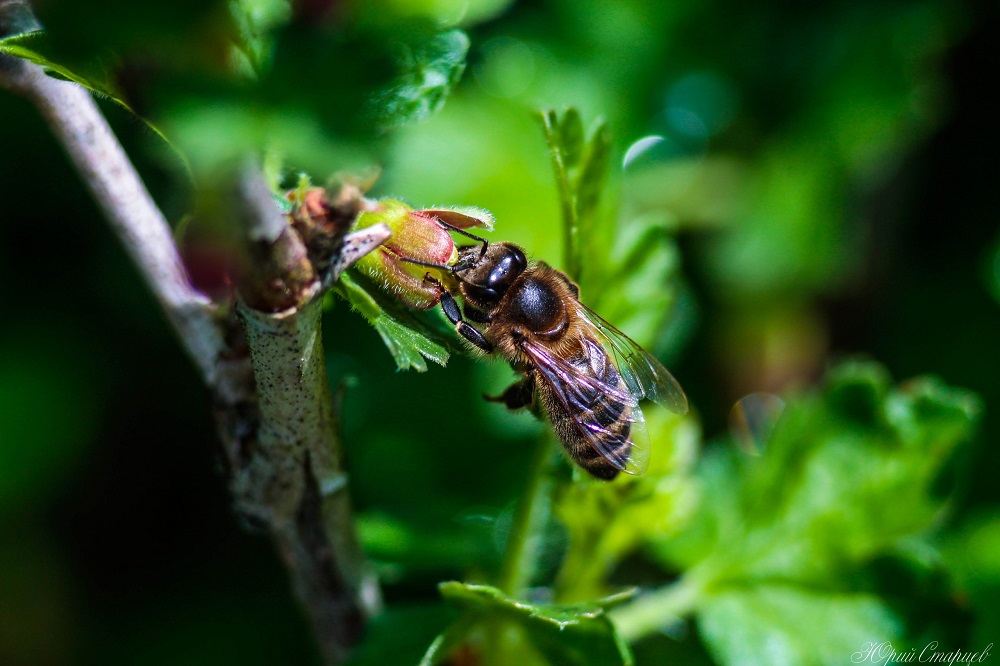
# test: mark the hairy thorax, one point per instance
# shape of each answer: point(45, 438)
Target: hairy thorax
point(536, 308)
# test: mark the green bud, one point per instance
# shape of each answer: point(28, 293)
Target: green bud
point(416, 235)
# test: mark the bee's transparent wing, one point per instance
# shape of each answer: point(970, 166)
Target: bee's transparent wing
point(638, 455)
point(645, 376)
point(590, 402)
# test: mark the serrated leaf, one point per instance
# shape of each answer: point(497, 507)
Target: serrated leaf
point(256, 20)
point(606, 522)
point(31, 47)
point(580, 166)
point(360, 299)
point(579, 634)
point(430, 70)
point(593, 172)
point(567, 204)
point(772, 625)
point(847, 475)
point(570, 137)
point(844, 476)
point(97, 82)
point(645, 266)
point(408, 346)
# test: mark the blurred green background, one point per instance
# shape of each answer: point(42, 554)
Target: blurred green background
point(828, 171)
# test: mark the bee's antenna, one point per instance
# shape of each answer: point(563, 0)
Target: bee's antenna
point(441, 267)
point(452, 227)
point(460, 266)
point(431, 264)
point(479, 239)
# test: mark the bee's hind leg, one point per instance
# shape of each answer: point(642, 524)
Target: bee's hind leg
point(518, 395)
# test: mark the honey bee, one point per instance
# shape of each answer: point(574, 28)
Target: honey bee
point(585, 375)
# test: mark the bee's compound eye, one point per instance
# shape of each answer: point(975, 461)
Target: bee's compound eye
point(518, 259)
point(482, 294)
point(507, 268)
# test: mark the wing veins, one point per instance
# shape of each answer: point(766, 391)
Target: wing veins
point(644, 375)
point(565, 379)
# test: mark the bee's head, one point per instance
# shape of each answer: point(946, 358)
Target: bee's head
point(486, 275)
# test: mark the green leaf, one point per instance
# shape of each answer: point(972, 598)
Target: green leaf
point(593, 173)
point(430, 69)
point(430, 12)
point(35, 47)
point(578, 634)
point(571, 138)
point(256, 20)
point(554, 135)
point(430, 544)
point(848, 475)
point(32, 47)
point(605, 522)
point(972, 557)
point(778, 624)
point(580, 166)
point(992, 276)
point(845, 475)
point(447, 642)
point(408, 346)
point(645, 265)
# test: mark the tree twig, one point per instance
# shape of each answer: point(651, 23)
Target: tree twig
point(290, 475)
point(104, 167)
point(278, 274)
point(279, 429)
point(294, 480)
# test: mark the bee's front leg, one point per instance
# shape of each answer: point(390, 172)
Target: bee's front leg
point(518, 395)
point(454, 315)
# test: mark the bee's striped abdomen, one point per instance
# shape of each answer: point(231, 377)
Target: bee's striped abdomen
point(605, 413)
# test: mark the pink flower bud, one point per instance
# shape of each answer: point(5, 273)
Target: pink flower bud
point(417, 235)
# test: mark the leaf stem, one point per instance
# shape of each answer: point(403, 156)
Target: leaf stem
point(530, 519)
point(275, 416)
point(656, 610)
